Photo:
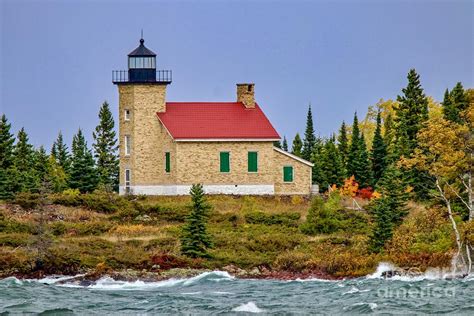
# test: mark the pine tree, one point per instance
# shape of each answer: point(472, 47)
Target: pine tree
point(297, 146)
point(277, 144)
point(388, 210)
point(60, 153)
point(24, 161)
point(83, 175)
point(455, 103)
point(41, 164)
point(354, 148)
point(318, 164)
point(378, 152)
point(411, 113)
point(105, 148)
point(309, 138)
point(7, 172)
point(364, 171)
point(343, 146)
point(284, 145)
point(195, 240)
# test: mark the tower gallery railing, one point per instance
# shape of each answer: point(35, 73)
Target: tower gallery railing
point(142, 75)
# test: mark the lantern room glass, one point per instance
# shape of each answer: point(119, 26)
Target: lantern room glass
point(141, 63)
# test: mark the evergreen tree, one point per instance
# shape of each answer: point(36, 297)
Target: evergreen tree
point(105, 148)
point(7, 172)
point(455, 103)
point(309, 138)
point(60, 153)
point(284, 145)
point(24, 161)
point(83, 172)
point(378, 152)
point(195, 240)
point(389, 138)
point(41, 164)
point(318, 164)
point(411, 113)
point(343, 146)
point(358, 158)
point(277, 144)
point(297, 146)
point(55, 176)
point(388, 210)
point(332, 169)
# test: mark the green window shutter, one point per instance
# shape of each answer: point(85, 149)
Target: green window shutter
point(225, 161)
point(167, 162)
point(288, 174)
point(253, 161)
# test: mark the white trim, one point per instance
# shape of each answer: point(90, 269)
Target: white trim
point(281, 151)
point(128, 144)
point(183, 189)
point(226, 139)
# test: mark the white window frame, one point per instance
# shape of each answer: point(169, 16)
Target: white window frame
point(126, 115)
point(128, 173)
point(128, 145)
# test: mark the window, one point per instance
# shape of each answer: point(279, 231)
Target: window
point(287, 174)
point(252, 161)
point(128, 145)
point(127, 180)
point(167, 162)
point(249, 88)
point(225, 161)
point(127, 115)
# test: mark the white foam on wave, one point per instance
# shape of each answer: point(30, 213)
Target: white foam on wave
point(381, 268)
point(429, 274)
point(55, 278)
point(312, 280)
point(250, 307)
point(107, 283)
point(11, 280)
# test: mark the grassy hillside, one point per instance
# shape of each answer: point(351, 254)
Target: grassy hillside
point(70, 233)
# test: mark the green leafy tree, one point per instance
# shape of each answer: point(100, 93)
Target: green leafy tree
point(7, 172)
point(195, 240)
point(105, 148)
point(343, 145)
point(60, 152)
point(55, 177)
point(378, 152)
point(297, 146)
point(24, 161)
point(388, 210)
point(309, 138)
point(84, 176)
point(284, 145)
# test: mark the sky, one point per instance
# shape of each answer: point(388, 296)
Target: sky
point(56, 57)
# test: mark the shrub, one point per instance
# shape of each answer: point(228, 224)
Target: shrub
point(168, 213)
point(27, 200)
point(292, 261)
point(102, 201)
point(365, 193)
point(167, 261)
point(69, 197)
point(12, 226)
point(14, 240)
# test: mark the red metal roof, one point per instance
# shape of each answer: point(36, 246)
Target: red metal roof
point(216, 120)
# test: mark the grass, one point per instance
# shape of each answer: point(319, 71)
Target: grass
point(110, 232)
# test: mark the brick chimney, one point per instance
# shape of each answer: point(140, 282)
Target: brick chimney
point(246, 94)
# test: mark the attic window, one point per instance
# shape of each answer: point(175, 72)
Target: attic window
point(127, 115)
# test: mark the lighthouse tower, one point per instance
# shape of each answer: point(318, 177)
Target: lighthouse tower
point(142, 94)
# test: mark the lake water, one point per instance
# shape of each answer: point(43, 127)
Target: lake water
point(219, 293)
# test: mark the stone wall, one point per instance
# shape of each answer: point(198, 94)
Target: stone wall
point(246, 94)
point(302, 174)
point(149, 139)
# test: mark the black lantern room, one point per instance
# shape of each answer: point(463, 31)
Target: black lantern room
point(141, 68)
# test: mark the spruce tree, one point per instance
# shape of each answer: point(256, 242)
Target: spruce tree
point(379, 152)
point(354, 149)
point(297, 146)
point(455, 103)
point(364, 172)
point(411, 113)
point(284, 145)
point(277, 144)
point(309, 138)
point(84, 176)
point(388, 210)
point(343, 146)
point(389, 138)
point(195, 240)
point(105, 148)
point(24, 161)
point(318, 164)
point(332, 169)
point(60, 152)
point(41, 164)
point(7, 171)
